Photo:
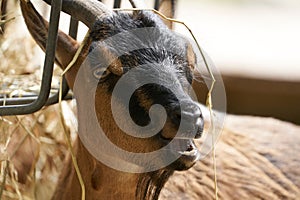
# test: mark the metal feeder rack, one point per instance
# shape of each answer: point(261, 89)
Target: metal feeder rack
point(27, 105)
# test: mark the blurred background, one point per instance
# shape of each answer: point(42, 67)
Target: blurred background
point(256, 46)
point(255, 38)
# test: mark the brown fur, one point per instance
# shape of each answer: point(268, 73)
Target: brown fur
point(93, 173)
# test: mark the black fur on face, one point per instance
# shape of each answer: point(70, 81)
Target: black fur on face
point(171, 60)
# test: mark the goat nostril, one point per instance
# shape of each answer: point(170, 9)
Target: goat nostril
point(178, 116)
point(186, 113)
point(191, 115)
point(200, 127)
point(197, 113)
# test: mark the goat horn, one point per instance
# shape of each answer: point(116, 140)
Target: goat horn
point(137, 4)
point(87, 11)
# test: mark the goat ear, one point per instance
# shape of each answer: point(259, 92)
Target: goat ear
point(38, 28)
point(167, 7)
point(191, 56)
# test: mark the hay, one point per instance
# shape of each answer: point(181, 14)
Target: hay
point(35, 154)
point(32, 147)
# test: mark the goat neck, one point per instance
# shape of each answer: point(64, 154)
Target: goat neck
point(107, 183)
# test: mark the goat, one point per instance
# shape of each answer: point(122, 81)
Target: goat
point(174, 70)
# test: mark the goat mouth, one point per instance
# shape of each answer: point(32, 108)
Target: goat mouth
point(186, 151)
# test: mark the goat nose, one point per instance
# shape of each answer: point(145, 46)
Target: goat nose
point(188, 112)
point(199, 126)
point(189, 117)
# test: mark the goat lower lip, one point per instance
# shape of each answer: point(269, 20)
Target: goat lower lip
point(179, 144)
point(190, 151)
point(188, 158)
point(186, 150)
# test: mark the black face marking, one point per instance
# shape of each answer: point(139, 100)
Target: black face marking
point(138, 113)
point(164, 48)
point(156, 94)
point(123, 21)
point(153, 50)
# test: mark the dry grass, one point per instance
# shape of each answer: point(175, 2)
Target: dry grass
point(32, 147)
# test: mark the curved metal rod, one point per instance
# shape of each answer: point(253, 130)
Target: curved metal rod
point(156, 4)
point(54, 98)
point(117, 3)
point(73, 29)
point(41, 100)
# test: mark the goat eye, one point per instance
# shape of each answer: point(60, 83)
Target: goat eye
point(101, 73)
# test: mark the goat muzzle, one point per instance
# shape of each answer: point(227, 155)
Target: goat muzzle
point(188, 120)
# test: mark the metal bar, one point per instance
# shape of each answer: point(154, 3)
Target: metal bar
point(156, 4)
point(117, 3)
point(73, 30)
point(17, 101)
point(54, 98)
point(47, 71)
point(29, 99)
